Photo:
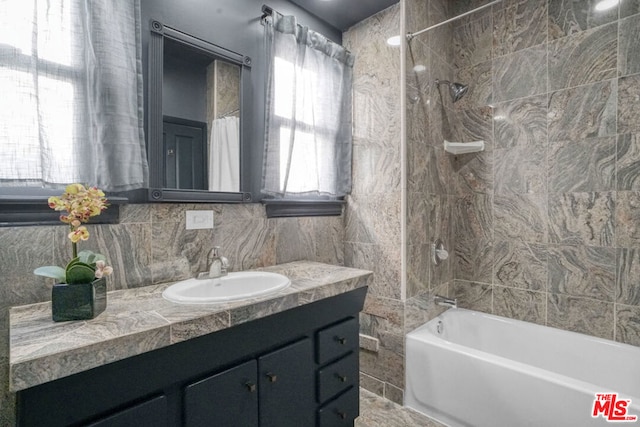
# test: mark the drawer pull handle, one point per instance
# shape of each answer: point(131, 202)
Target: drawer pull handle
point(272, 377)
point(250, 386)
point(342, 415)
point(341, 340)
point(342, 378)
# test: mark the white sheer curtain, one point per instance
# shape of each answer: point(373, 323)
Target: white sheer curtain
point(71, 83)
point(308, 113)
point(224, 155)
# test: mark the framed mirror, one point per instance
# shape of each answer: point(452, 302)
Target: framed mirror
point(198, 98)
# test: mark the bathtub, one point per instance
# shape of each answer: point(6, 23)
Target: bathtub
point(466, 368)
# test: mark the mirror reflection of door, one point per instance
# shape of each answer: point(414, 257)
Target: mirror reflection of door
point(201, 92)
point(185, 154)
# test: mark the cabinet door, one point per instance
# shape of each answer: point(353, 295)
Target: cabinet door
point(152, 413)
point(227, 399)
point(287, 386)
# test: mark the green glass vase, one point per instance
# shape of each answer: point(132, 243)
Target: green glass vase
point(78, 302)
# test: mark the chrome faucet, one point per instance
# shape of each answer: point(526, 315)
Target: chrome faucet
point(217, 265)
point(445, 302)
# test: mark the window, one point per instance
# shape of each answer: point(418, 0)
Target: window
point(308, 123)
point(71, 83)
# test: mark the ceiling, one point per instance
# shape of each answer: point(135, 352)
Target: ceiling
point(343, 14)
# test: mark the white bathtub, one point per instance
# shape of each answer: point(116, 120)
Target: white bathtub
point(484, 370)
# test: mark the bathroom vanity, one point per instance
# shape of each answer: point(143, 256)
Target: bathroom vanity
point(290, 359)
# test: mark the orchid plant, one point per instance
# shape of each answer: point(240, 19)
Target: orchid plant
point(80, 203)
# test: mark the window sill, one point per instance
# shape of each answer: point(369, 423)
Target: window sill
point(297, 208)
point(24, 210)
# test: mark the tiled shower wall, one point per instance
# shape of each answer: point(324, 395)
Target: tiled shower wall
point(373, 212)
point(547, 218)
point(151, 245)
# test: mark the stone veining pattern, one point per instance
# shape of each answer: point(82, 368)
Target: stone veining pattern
point(140, 320)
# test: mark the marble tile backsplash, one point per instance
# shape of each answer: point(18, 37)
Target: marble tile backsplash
point(151, 245)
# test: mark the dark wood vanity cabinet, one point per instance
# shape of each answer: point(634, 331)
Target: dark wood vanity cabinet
point(274, 390)
point(295, 368)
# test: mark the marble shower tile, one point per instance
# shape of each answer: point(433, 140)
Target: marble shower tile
point(568, 17)
point(374, 219)
point(582, 219)
point(629, 35)
point(628, 219)
point(586, 57)
point(628, 272)
point(417, 170)
point(383, 260)
point(629, 7)
point(472, 124)
point(520, 304)
point(521, 170)
point(628, 324)
point(473, 173)
point(418, 265)
point(473, 217)
point(518, 24)
point(375, 170)
point(439, 42)
point(376, 118)
point(472, 42)
point(420, 308)
point(629, 104)
point(387, 315)
point(474, 260)
point(520, 74)
point(628, 162)
point(521, 218)
point(473, 296)
point(583, 112)
point(521, 265)
point(417, 219)
point(329, 239)
point(579, 166)
point(462, 6)
point(582, 271)
point(583, 315)
point(521, 122)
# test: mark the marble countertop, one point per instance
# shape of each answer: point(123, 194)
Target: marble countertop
point(140, 320)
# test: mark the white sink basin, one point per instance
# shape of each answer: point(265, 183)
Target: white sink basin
point(232, 287)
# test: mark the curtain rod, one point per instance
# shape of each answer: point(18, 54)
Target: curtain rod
point(412, 35)
point(266, 11)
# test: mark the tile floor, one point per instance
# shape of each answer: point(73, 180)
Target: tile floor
point(378, 412)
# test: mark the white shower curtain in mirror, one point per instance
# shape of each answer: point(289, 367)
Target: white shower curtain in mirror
point(224, 155)
point(308, 113)
point(71, 83)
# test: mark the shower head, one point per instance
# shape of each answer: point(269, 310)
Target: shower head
point(456, 90)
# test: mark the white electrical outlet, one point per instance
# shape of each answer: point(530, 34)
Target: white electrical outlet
point(198, 220)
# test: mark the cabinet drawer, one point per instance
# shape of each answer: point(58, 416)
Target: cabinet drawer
point(338, 376)
point(340, 412)
point(337, 340)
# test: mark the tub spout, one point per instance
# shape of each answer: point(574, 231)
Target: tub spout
point(445, 302)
